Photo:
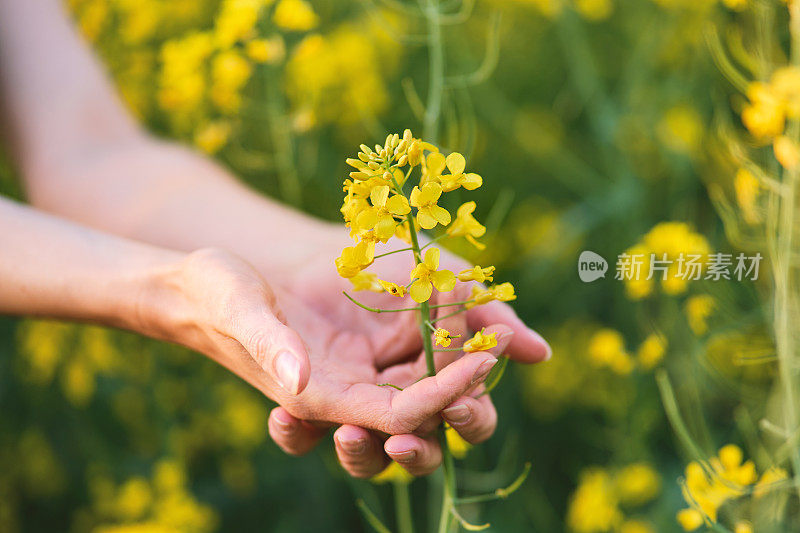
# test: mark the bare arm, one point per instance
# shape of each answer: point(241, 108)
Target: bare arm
point(207, 300)
point(83, 157)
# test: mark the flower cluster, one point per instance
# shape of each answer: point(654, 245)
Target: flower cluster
point(670, 241)
point(204, 73)
point(726, 477)
point(598, 504)
point(376, 208)
point(607, 349)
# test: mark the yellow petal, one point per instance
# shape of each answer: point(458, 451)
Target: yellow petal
point(435, 163)
point(385, 227)
point(378, 195)
point(441, 214)
point(455, 163)
point(416, 196)
point(420, 291)
point(443, 280)
point(425, 219)
point(471, 181)
point(398, 205)
point(432, 259)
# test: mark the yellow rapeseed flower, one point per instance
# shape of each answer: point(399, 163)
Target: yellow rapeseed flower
point(743, 526)
point(698, 309)
point(594, 506)
point(295, 15)
point(458, 446)
point(354, 259)
point(394, 473)
point(380, 216)
point(607, 348)
point(393, 288)
point(747, 188)
point(367, 281)
point(477, 273)
point(427, 276)
point(428, 212)
point(466, 226)
point(636, 526)
point(690, 519)
point(212, 136)
point(271, 50)
point(503, 292)
point(652, 350)
point(443, 337)
point(786, 151)
point(480, 342)
point(637, 484)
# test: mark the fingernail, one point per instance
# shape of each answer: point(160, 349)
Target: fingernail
point(548, 350)
point(285, 425)
point(458, 414)
point(404, 457)
point(287, 371)
point(484, 370)
point(354, 447)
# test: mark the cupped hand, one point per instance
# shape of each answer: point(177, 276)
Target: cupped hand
point(218, 304)
point(391, 343)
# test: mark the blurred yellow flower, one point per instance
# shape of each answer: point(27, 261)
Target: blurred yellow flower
point(690, 519)
point(652, 351)
point(458, 446)
point(295, 15)
point(594, 9)
point(681, 129)
point(786, 151)
point(394, 473)
point(133, 499)
point(212, 136)
point(747, 188)
point(636, 526)
point(698, 309)
point(637, 484)
point(271, 50)
point(743, 526)
point(607, 348)
point(594, 506)
point(728, 479)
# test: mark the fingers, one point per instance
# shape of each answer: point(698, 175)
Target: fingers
point(407, 373)
point(293, 436)
point(475, 419)
point(396, 412)
point(526, 346)
point(360, 452)
point(277, 348)
point(420, 456)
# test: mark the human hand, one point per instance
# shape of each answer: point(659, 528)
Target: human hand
point(223, 308)
point(396, 344)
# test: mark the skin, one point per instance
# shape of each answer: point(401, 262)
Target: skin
point(238, 286)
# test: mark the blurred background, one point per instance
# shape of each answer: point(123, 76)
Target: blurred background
point(600, 125)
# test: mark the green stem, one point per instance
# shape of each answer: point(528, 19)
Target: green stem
point(449, 491)
point(448, 315)
point(393, 252)
point(433, 107)
point(784, 334)
point(402, 505)
point(376, 310)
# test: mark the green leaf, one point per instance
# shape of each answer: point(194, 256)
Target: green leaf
point(496, 374)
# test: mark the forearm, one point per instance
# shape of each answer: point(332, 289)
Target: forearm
point(83, 158)
point(56, 98)
point(51, 268)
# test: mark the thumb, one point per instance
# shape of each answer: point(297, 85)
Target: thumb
point(276, 347)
